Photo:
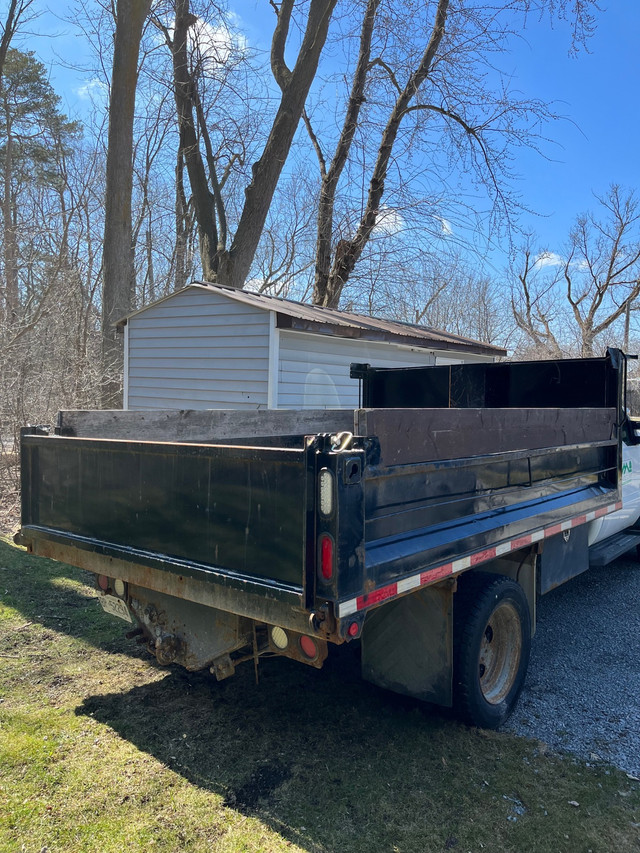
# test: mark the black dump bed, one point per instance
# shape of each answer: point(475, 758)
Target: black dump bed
point(441, 469)
point(490, 457)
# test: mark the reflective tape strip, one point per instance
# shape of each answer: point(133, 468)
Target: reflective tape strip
point(408, 584)
point(383, 593)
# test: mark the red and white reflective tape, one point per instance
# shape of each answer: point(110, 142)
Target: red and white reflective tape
point(362, 602)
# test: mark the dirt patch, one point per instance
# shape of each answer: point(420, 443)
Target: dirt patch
point(264, 780)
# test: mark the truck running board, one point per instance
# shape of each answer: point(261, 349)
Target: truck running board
point(615, 546)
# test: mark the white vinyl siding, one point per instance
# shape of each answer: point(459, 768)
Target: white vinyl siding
point(206, 348)
point(198, 350)
point(314, 369)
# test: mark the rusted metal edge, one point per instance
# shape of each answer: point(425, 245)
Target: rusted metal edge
point(31, 534)
point(286, 610)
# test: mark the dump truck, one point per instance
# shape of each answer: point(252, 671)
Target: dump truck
point(425, 524)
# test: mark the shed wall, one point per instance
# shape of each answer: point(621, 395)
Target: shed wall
point(198, 350)
point(313, 370)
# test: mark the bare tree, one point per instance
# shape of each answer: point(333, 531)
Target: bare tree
point(49, 353)
point(445, 289)
point(567, 303)
point(535, 305)
point(418, 108)
point(423, 82)
point(225, 258)
point(329, 283)
point(294, 85)
point(118, 264)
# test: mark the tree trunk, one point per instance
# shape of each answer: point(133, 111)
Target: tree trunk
point(349, 251)
point(331, 176)
point(15, 12)
point(189, 145)
point(119, 274)
point(10, 303)
point(182, 228)
point(234, 265)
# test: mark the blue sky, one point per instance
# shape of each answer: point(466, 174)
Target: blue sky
point(596, 91)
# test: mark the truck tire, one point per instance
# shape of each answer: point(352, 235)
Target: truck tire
point(492, 642)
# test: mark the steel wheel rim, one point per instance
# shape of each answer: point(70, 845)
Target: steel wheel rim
point(500, 652)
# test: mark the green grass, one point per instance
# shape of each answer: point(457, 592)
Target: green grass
point(102, 750)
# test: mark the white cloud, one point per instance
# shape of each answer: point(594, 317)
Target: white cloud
point(389, 221)
point(446, 227)
point(214, 44)
point(549, 259)
point(93, 89)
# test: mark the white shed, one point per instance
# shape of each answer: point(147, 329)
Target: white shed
point(213, 347)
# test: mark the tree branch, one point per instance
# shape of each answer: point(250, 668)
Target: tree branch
point(279, 67)
point(343, 265)
point(331, 177)
point(315, 143)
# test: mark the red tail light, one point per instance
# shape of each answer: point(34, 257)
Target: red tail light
point(308, 647)
point(326, 557)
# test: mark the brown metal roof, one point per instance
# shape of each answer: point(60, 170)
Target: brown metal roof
point(298, 316)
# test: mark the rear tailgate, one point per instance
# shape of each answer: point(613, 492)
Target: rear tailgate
point(233, 514)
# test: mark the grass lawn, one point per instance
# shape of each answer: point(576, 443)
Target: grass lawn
point(102, 750)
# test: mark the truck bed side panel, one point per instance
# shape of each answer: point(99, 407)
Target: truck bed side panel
point(451, 482)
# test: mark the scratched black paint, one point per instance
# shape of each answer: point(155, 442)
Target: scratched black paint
point(238, 509)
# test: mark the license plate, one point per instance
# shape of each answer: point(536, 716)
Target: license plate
point(115, 606)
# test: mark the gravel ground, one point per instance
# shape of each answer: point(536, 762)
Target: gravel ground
point(582, 692)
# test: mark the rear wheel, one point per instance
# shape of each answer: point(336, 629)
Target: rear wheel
point(492, 641)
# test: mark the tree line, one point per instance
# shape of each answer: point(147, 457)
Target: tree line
point(340, 167)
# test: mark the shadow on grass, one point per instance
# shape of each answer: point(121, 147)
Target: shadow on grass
point(326, 760)
point(55, 596)
point(314, 754)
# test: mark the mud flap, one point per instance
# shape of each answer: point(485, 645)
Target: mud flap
point(407, 645)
